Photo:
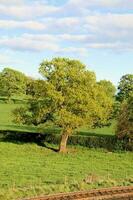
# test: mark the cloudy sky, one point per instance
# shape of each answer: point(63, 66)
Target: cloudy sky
point(98, 32)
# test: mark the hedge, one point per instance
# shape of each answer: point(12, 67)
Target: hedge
point(110, 143)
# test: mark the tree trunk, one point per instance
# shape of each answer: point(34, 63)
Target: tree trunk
point(63, 142)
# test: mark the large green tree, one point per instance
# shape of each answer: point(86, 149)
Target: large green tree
point(68, 96)
point(125, 87)
point(12, 82)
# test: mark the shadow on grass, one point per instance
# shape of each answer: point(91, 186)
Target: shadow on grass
point(50, 136)
point(42, 144)
point(21, 138)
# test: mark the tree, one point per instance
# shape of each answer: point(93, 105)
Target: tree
point(125, 87)
point(69, 97)
point(34, 87)
point(12, 82)
point(108, 87)
point(125, 119)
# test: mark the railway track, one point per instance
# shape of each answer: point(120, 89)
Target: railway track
point(115, 193)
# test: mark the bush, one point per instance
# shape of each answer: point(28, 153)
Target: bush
point(110, 143)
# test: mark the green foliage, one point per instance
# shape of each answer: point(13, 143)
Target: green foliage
point(69, 96)
point(6, 123)
point(125, 119)
point(103, 107)
point(65, 80)
point(110, 143)
point(125, 88)
point(108, 86)
point(116, 109)
point(24, 118)
point(12, 82)
point(34, 87)
point(124, 127)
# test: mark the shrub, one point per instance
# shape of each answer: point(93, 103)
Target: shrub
point(125, 120)
point(107, 142)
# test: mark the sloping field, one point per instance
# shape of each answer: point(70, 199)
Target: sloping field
point(31, 170)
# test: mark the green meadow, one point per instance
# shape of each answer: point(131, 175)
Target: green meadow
point(27, 169)
point(30, 170)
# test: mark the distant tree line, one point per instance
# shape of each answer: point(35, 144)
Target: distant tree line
point(69, 96)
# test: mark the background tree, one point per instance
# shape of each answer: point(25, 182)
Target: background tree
point(12, 82)
point(125, 87)
point(110, 90)
point(68, 97)
point(125, 119)
point(108, 87)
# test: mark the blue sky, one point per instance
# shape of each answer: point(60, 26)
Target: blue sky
point(98, 32)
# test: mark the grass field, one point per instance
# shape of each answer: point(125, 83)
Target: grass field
point(31, 170)
point(6, 119)
point(7, 124)
point(27, 169)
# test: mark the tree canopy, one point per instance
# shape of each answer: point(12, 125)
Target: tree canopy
point(108, 87)
point(68, 96)
point(125, 119)
point(12, 82)
point(125, 87)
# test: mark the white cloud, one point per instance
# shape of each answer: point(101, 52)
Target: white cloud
point(68, 21)
point(40, 43)
point(11, 2)
point(66, 31)
point(65, 43)
point(31, 25)
point(101, 3)
point(73, 50)
point(81, 38)
point(118, 21)
point(119, 46)
point(46, 24)
point(94, 23)
point(26, 11)
point(110, 28)
point(41, 37)
point(27, 43)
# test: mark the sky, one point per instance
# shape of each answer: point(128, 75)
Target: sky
point(97, 32)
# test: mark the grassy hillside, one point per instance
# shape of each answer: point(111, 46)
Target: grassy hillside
point(27, 169)
point(31, 170)
point(6, 118)
point(7, 124)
